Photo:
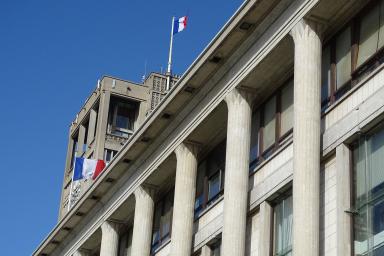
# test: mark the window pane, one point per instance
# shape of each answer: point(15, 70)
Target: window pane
point(124, 117)
point(343, 58)
point(359, 175)
point(283, 227)
point(376, 163)
point(326, 74)
point(269, 123)
point(368, 35)
point(369, 195)
point(287, 108)
point(361, 232)
point(255, 136)
point(214, 186)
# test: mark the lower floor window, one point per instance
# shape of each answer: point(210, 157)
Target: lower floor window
point(368, 194)
point(283, 227)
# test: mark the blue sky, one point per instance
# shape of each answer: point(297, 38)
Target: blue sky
point(51, 55)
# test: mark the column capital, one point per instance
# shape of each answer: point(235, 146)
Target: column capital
point(239, 95)
point(307, 28)
point(144, 191)
point(110, 225)
point(187, 147)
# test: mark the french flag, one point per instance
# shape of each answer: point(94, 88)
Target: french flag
point(87, 168)
point(179, 24)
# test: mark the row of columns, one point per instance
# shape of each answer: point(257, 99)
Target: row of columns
point(306, 181)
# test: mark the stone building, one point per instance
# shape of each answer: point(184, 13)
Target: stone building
point(271, 143)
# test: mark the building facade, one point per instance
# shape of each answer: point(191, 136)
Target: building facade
point(271, 143)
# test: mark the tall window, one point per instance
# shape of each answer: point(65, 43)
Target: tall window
point(368, 195)
point(122, 117)
point(353, 53)
point(162, 221)
point(271, 123)
point(109, 154)
point(283, 227)
point(210, 178)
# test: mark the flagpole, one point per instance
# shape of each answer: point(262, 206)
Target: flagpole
point(168, 74)
point(70, 191)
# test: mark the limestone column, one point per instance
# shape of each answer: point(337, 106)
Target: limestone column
point(236, 172)
point(102, 122)
point(184, 201)
point(109, 239)
point(306, 139)
point(266, 218)
point(143, 220)
point(343, 200)
point(91, 126)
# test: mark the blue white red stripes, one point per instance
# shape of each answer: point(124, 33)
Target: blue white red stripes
point(179, 24)
point(87, 168)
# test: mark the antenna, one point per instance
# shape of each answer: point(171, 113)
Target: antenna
point(145, 71)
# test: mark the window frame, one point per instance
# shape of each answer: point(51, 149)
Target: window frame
point(208, 175)
point(276, 201)
point(265, 153)
point(368, 202)
point(163, 239)
point(358, 72)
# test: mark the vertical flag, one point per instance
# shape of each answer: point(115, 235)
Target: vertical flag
point(178, 25)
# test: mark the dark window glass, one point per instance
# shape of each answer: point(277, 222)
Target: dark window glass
point(214, 186)
point(162, 221)
point(368, 184)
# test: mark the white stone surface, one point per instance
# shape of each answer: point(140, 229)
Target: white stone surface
point(143, 221)
point(109, 238)
point(306, 138)
point(236, 172)
point(328, 209)
point(184, 202)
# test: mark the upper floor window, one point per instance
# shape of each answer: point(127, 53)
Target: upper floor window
point(122, 117)
point(353, 53)
point(282, 245)
point(109, 154)
point(271, 123)
point(210, 178)
point(368, 194)
point(162, 222)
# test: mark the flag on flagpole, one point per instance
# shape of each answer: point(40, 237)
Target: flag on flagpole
point(179, 24)
point(87, 168)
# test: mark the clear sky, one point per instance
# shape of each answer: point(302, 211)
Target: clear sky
point(51, 55)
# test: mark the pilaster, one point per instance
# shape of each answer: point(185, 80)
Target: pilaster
point(343, 199)
point(102, 122)
point(91, 126)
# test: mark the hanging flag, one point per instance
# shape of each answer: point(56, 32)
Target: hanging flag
point(87, 168)
point(179, 24)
